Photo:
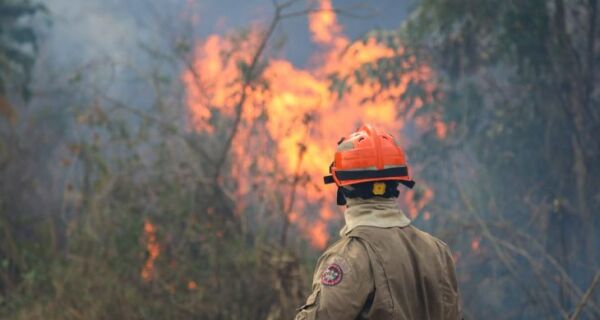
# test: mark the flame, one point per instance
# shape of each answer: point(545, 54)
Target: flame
point(476, 244)
point(426, 216)
point(414, 206)
point(324, 27)
point(192, 285)
point(318, 234)
point(289, 127)
point(441, 129)
point(148, 272)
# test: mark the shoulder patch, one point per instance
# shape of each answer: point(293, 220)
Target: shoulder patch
point(332, 275)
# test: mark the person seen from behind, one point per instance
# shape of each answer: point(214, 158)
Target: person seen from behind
point(382, 267)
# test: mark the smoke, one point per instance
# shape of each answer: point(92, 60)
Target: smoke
point(90, 30)
point(96, 30)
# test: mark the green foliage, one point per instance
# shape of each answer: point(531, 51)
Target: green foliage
point(207, 266)
point(18, 44)
point(127, 173)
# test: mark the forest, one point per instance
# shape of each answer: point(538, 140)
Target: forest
point(165, 159)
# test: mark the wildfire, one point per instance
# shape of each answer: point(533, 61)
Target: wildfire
point(153, 250)
point(289, 127)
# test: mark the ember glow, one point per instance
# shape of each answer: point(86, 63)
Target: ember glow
point(476, 244)
point(153, 249)
point(192, 285)
point(415, 205)
point(290, 120)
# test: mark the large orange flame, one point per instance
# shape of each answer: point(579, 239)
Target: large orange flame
point(291, 122)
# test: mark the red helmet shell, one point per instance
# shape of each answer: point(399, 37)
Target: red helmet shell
point(369, 154)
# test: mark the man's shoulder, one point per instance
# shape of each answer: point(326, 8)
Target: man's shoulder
point(429, 237)
point(343, 246)
point(348, 252)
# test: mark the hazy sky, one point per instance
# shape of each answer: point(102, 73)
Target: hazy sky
point(97, 28)
point(105, 36)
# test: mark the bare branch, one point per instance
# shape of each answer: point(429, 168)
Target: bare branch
point(586, 297)
point(297, 177)
point(286, 4)
point(163, 124)
point(349, 11)
point(568, 282)
point(590, 54)
point(504, 258)
point(248, 79)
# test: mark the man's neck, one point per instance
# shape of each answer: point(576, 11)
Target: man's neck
point(375, 212)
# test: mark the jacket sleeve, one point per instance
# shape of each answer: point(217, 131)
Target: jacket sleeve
point(450, 295)
point(342, 283)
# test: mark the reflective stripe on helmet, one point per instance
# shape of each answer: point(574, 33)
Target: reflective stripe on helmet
point(395, 172)
point(370, 174)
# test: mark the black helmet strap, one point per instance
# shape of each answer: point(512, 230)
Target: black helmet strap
point(365, 191)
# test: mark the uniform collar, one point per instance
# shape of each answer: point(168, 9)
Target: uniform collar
point(374, 212)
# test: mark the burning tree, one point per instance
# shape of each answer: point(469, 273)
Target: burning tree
point(279, 121)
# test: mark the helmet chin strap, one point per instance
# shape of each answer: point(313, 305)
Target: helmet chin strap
point(341, 200)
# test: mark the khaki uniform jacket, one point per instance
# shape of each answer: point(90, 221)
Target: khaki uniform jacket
point(383, 268)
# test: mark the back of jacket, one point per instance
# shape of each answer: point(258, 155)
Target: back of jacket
point(382, 268)
point(413, 274)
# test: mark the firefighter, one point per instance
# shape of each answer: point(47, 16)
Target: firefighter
point(382, 267)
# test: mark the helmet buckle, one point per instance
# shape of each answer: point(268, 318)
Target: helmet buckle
point(378, 188)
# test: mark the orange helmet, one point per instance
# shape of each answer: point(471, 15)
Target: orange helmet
point(368, 155)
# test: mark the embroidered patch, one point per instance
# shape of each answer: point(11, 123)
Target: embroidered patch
point(332, 275)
